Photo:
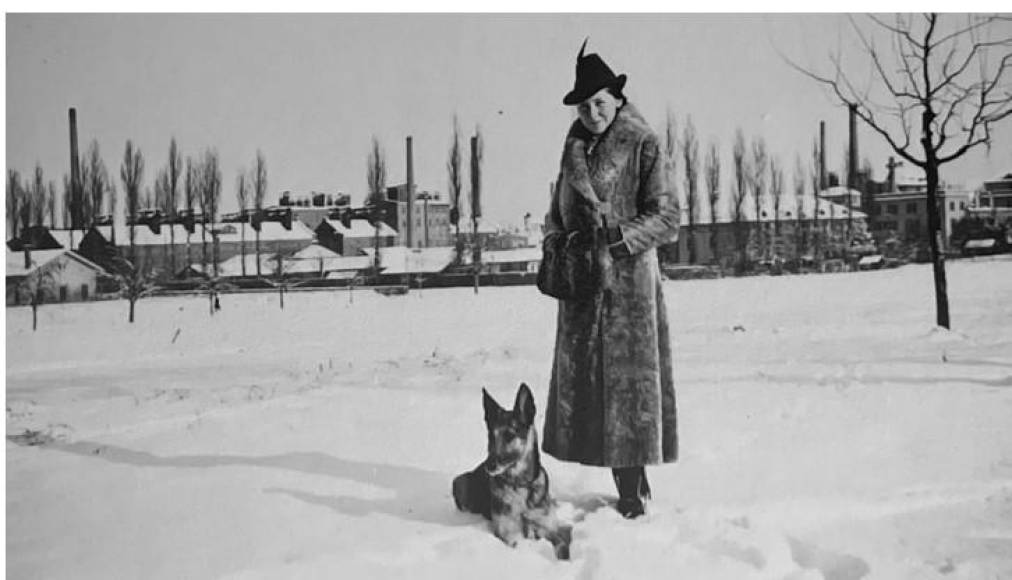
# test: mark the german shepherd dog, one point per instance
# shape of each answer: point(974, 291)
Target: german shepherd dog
point(510, 487)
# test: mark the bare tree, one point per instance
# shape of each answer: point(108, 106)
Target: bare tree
point(51, 204)
point(800, 237)
point(777, 193)
point(210, 194)
point(40, 285)
point(132, 172)
point(95, 181)
point(376, 178)
point(189, 197)
point(690, 156)
point(27, 205)
point(241, 196)
point(13, 201)
point(259, 192)
point(164, 204)
point(711, 169)
point(38, 192)
point(135, 283)
point(173, 171)
point(816, 191)
point(202, 201)
point(936, 93)
point(739, 194)
point(113, 208)
point(455, 185)
point(477, 158)
point(757, 181)
point(671, 144)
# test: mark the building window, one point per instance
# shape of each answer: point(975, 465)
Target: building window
point(892, 209)
point(913, 226)
point(84, 291)
point(63, 293)
point(912, 207)
point(952, 206)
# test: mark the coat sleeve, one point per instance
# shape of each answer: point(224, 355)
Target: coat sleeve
point(657, 218)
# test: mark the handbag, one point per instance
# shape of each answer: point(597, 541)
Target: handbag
point(569, 267)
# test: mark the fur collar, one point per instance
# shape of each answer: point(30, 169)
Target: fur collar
point(610, 148)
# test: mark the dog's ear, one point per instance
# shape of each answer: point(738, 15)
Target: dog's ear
point(524, 405)
point(492, 408)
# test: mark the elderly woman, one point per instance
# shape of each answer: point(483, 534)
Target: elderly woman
point(611, 400)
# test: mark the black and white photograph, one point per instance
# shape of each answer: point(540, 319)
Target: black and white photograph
point(508, 295)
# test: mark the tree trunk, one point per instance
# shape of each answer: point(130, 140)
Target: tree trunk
point(258, 252)
point(203, 249)
point(692, 243)
point(35, 317)
point(172, 245)
point(242, 245)
point(132, 302)
point(935, 242)
point(281, 292)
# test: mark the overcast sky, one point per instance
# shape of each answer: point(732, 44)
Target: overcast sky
point(311, 90)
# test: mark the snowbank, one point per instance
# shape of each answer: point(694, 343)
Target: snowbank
point(828, 431)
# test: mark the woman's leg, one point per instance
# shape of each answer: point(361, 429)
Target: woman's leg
point(630, 482)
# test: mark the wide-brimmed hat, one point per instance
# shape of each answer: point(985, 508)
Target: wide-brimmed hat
point(592, 75)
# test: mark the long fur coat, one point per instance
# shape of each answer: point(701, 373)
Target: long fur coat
point(611, 399)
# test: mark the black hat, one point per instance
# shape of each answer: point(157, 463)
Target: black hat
point(592, 75)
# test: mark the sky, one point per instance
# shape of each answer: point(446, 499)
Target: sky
point(312, 90)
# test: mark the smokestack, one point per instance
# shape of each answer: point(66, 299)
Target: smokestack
point(410, 196)
point(852, 169)
point(475, 180)
point(822, 155)
point(75, 175)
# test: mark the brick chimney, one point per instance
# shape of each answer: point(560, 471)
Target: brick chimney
point(822, 155)
point(76, 218)
point(410, 196)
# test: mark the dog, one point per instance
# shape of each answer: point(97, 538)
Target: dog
point(510, 487)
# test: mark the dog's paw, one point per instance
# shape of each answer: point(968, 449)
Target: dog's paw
point(561, 540)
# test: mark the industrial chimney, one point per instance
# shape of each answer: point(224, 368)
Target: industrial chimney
point(410, 185)
point(75, 176)
point(822, 156)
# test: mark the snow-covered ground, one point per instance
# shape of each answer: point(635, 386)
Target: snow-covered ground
point(828, 430)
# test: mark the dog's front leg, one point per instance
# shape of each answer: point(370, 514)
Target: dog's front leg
point(507, 528)
point(544, 524)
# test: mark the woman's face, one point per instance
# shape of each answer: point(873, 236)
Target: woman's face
point(598, 111)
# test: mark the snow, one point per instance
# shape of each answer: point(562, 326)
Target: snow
point(828, 431)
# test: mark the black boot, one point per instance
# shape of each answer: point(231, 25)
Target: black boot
point(631, 482)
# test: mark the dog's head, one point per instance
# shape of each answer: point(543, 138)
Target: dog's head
point(512, 439)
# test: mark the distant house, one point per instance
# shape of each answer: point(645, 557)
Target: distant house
point(39, 238)
point(508, 261)
point(351, 239)
point(235, 267)
point(782, 230)
point(402, 260)
point(994, 200)
point(55, 275)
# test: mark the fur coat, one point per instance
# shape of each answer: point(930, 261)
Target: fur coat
point(611, 398)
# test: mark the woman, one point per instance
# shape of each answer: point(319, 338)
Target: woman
point(611, 401)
